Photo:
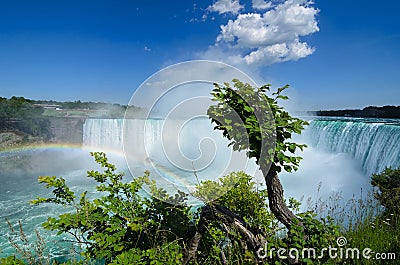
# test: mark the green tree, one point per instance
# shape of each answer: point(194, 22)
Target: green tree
point(388, 193)
point(264, 129)
point(18, 113)
point(256, 123)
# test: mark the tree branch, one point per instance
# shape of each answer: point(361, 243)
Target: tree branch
point(253, 237)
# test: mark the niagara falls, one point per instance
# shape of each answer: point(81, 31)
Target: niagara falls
point(216, 132)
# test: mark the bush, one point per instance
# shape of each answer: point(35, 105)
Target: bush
point(388, 194)
point(121, 223)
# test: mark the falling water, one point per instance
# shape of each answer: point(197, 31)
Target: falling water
point(374, 143)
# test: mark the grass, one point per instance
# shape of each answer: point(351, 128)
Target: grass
point(364, 224)
point(381, 235)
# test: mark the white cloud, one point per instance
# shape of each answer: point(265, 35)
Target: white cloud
point(269, 37)
point(226, 6)
point(261, 4)
point(279, 53)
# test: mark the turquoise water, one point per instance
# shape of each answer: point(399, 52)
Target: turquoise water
point(19, 171)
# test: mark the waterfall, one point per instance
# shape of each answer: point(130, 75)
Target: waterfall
point(184, 146)
point(103, 133)
point(107, 134)
point(375, 144)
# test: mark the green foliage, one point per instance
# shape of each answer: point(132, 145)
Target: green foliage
point(123, 227)
point(379, 233)
point(248, 201)
point(286, 250)
point(254, 121)
point(388, 194)
point(11, 260)
point(121, 220)
point(238, 192)
point(160, 255)
point(18, 113)
point(316, 234)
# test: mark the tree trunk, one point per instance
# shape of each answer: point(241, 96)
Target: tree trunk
point(195, 240)
point(276, 200)
point(253, 238)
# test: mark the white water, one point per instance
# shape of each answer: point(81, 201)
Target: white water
point(105, 133)
point(375, 143)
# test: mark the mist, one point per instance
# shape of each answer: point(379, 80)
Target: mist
point(325, 178)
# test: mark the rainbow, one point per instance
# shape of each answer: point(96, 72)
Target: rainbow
point(61, 147)
point(158, 171)
point(170, 176)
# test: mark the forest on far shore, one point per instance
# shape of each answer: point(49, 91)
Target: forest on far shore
point(389, 112)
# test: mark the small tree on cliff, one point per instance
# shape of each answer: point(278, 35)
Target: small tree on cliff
point(264, 131)
point(254, 121)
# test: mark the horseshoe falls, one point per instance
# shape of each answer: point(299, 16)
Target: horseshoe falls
point(342, 153)
point(375, 143)
point(341, 156)
point(105, 133)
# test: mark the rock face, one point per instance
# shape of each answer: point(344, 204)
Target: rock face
point(10, 138)
point(66, 130)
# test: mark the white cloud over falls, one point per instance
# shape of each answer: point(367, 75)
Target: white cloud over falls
point(263, 38)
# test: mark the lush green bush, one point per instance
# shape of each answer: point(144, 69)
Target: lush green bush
point(388, 194)
point(121, 222)
point(247, 201)
point(11, 260)
point(18, 113)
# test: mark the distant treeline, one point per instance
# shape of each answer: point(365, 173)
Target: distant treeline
point(18, 113)
point(82, 109)
point(80, 105)
point(392, 112)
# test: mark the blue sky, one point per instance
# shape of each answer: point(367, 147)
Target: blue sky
point(334, 54)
